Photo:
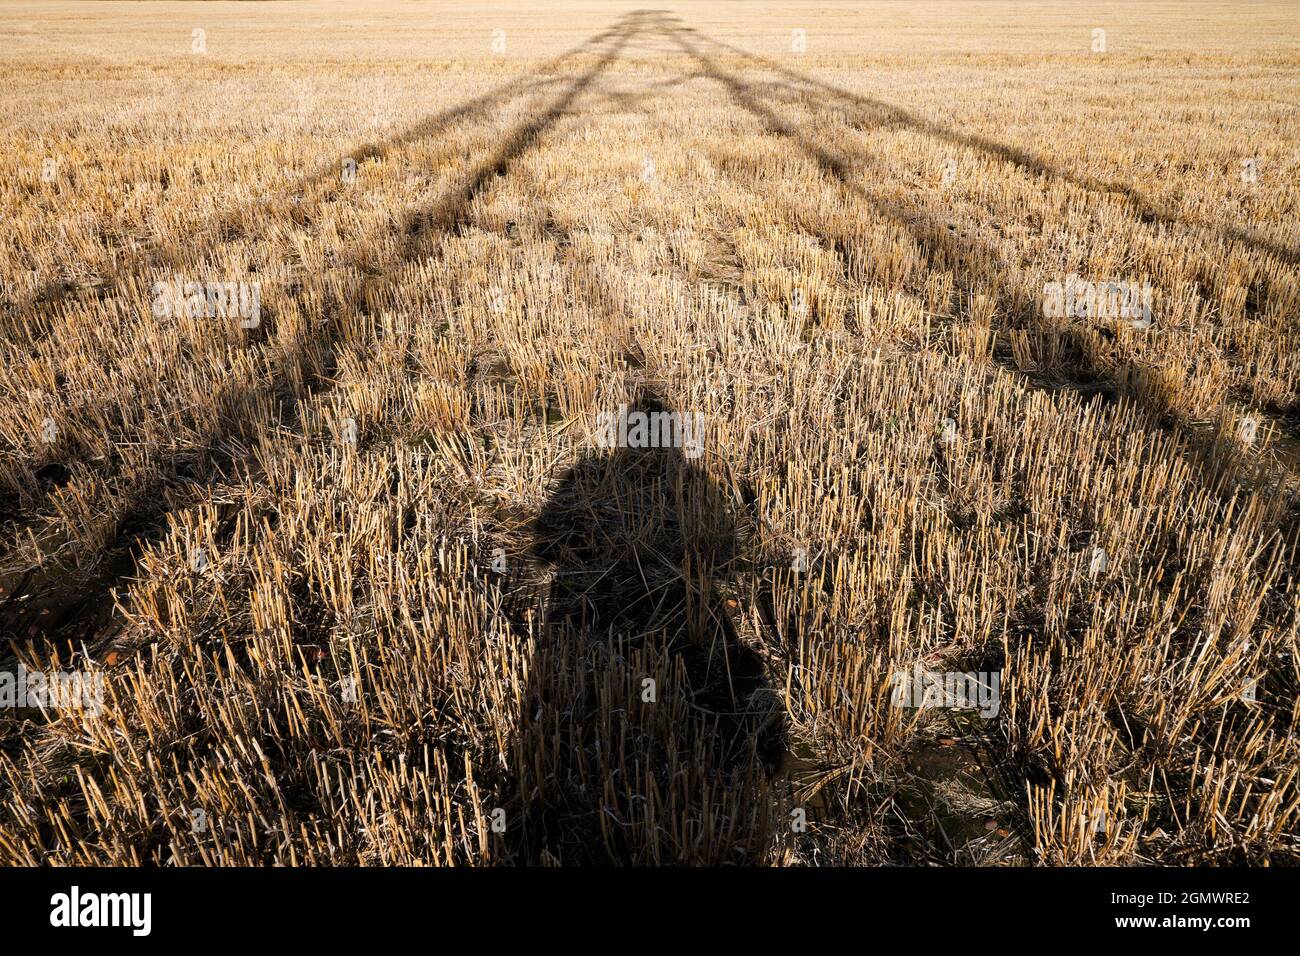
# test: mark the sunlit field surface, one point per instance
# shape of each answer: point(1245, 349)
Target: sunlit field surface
point(315, 318)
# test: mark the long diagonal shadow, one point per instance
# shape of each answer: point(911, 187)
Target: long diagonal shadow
point(450, 212)
point(310, 361)
point(1140, 205)
point(1082, 367)
point(963, 257)
point(456, 200)
point(136, 261)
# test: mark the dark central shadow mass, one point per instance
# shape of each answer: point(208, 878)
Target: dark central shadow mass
point(648, 732)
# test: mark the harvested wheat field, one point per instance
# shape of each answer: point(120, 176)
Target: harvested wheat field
point(766, 433)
